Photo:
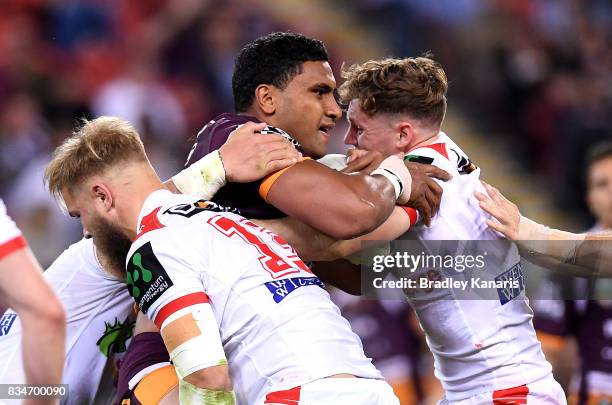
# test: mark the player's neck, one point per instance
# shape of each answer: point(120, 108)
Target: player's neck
point(138, 185)
point(423, 139)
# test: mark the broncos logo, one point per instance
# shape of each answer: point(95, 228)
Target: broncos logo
point(115, 336)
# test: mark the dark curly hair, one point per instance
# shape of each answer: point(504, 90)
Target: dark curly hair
point(416, 86)
point(272, 59)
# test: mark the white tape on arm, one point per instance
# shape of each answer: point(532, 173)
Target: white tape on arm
point(203, 351)
point(394, 170)
point(203, 178)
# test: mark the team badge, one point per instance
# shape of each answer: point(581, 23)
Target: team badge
point(115, 336)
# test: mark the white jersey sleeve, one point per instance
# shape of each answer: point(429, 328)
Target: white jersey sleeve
point(11, 239)
point(166, 284)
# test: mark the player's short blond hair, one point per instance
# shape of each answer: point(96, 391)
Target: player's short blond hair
point(415, 86)
point(94, 148)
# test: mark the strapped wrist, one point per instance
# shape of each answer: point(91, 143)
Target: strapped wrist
point(203, 178)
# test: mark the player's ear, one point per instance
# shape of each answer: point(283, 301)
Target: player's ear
point(102, 196)
point(405, 132)
point(265, 99)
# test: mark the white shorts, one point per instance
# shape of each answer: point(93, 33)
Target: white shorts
point(334, 391)
point(546, 391)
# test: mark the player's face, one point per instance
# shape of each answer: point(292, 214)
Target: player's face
point(79, 207)
point(600, 191)
point(111, 244)
point(307, 109)
point(110, 241)
point(375, 133)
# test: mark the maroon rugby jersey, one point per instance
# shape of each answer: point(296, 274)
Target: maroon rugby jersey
point(242, 196)
point(588, 321)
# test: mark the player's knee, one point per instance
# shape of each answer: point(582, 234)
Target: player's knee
point(211, 378)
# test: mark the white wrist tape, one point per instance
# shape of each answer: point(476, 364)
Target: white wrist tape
point(203, 178)
point(203, 351)
point(190, 394)
point(394, 170)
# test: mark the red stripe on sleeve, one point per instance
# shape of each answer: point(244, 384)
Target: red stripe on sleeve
point(412, 214)
point(178, 304)
point(12, 245)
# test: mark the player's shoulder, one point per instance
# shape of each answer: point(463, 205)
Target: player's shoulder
point(169, 219)
point(445, 154)
point(77, 262)
point(219, 128)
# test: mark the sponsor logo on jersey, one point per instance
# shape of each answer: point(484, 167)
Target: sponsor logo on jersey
point(146, 277)
point(282, 288)
point(509, 278)
point(6, 322)
point(190, 209)
point(115, 336)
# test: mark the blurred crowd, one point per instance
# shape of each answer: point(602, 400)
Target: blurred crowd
point(164, 65)
point(536, 72)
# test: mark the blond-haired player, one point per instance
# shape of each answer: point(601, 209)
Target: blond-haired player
point(227, 295)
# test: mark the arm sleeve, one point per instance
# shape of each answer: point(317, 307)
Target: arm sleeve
point(11, 239)
point(161, 277)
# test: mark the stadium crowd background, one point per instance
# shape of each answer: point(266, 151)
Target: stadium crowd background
point(531, 83)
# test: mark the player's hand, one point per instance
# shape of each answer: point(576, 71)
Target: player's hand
point(248, 156)
point(426, 194)
point(363, 161)
point(506, 213)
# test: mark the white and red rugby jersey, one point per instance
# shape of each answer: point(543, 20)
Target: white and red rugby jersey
point(278, 326)
point(479, 345)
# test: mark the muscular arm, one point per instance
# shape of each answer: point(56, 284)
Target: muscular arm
point(339, 205)
point(313, 245)
point(185, 319)
point(23, 288)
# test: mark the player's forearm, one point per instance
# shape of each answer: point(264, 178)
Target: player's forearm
point(394, 226)
point(25, 290)
point(339, 205)
point(195, 394)
point(341, 274)
point(340, 208)
point(309, 243)
point(43, 344)
point(581, 254)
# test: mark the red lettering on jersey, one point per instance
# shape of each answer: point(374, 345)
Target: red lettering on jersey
point(149, 223)
point(271, 261)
